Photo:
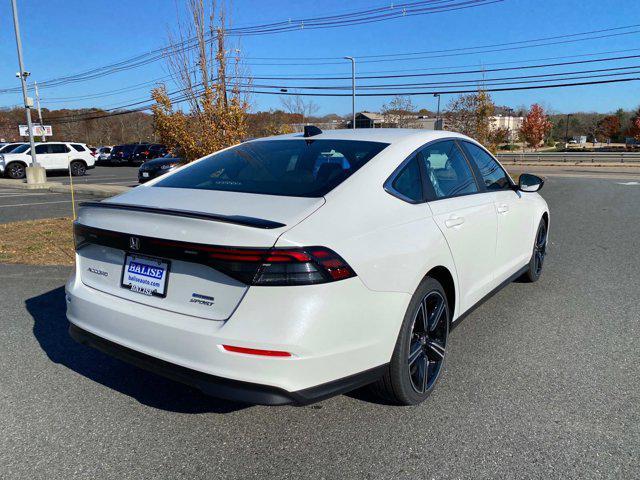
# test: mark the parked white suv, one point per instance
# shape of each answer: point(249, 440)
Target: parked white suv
point(51, 155)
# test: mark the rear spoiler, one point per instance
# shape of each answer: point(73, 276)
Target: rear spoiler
point(234, 219)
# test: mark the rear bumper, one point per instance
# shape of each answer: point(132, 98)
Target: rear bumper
point(225, 388)
point(339, 334)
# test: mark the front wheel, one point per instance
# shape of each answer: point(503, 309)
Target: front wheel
point(418, 357)
point(539, 253)
point(78, 168)
point(16, 171)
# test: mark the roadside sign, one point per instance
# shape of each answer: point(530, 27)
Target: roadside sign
point(38, 130)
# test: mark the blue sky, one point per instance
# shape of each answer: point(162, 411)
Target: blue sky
point(68, 36)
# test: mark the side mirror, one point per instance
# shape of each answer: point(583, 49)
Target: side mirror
point(530, 183)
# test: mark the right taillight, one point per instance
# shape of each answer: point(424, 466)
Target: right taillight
point(281, 266)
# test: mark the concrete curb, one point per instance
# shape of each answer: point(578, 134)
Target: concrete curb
point(97, 190)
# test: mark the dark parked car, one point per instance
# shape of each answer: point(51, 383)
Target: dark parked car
point(137, 152)
point(159, 166)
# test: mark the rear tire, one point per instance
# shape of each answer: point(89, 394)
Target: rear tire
point(78, 168)
point(16, 170)
point(534, 271)
point(418, 357)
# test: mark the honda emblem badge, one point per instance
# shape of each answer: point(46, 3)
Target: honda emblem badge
point(134, 243)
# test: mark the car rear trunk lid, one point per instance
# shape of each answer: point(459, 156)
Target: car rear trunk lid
point(125, 229)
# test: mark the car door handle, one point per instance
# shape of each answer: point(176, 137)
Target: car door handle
point(454, 221)
point(504, 208)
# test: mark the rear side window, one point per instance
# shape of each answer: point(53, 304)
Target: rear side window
point(78, 148)
point(58, 148)
point(447, 170)
point(493, 176)
point(300, 168)
point(40, 149)
point(408, 182)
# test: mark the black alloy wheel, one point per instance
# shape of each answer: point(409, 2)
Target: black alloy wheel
point(16, 170)
point(540, 248)
point(78, 169)
point(428, 342)
point(536, 262)
point(419, 354)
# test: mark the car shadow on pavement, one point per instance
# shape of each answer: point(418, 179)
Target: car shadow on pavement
point(51, 330)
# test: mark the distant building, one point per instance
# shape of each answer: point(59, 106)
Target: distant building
point(367, 120)
point(505, 121)
point(429, 123)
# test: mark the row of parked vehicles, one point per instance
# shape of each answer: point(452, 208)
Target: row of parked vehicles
point(74, 157)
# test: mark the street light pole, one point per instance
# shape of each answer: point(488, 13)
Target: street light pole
point(437, 125)
point(23, 75)
point(353, 91)
point(35, 173)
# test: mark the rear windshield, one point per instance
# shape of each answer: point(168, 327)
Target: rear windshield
point(9, 147)
point(300, 168)
point(21, 148)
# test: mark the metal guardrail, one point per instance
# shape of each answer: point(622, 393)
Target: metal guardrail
point(571, 157)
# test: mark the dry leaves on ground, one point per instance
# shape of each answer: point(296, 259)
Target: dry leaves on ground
point(37, 242)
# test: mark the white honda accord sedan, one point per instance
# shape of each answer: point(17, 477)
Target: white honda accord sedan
point(292, 268)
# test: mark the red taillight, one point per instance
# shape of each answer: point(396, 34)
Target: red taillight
point(146, 152)
point(280, 266)
point(269, 266)
point(255, 351)
point(93, 154)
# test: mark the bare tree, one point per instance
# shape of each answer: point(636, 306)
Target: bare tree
point(399, 112)
point(298, 105)
point(213, 91)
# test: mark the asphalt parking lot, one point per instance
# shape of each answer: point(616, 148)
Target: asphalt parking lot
point(541, 381)
point(124, 175)
point(18, 204)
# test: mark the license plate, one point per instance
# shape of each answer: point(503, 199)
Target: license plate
point(145, 174)
point(145, 275)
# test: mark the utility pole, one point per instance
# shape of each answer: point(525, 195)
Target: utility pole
point(566, 132)
point(35, 85)
point(353, 91)
point(35, 173)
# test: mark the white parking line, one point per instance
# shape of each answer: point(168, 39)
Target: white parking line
point(128, 182)
point(18, 194)
point(34, 203)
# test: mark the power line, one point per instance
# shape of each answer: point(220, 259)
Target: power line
point(297, 90)
point(424, 7)
point(319, 77)
point(418, 93)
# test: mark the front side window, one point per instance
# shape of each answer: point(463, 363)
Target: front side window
point(299, 168)
point(40, 149)
point(493, 176)
point(447, 170)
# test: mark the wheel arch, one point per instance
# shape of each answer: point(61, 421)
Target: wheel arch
point(22, 162)
point(444, 276)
